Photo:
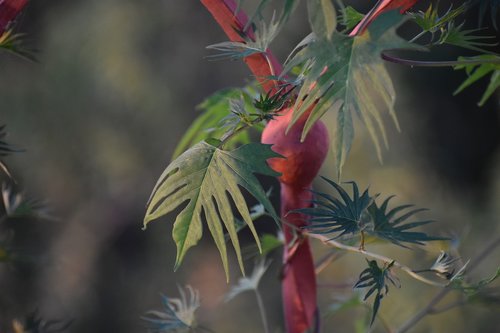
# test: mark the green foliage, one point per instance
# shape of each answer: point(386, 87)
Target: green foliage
point(204, 176)
point(322, 18)
point(458, 36)
point(360, 213)
point(350, 17)
point(178, 314)
point(12, 42)
point(376, 278)
point(214, 110)
point(477, 71)
point(391, 228)
point(430, 20)
point(332, 215)
point(346, 75)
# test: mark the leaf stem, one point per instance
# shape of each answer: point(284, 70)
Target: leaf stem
point(379, 257)
point(434, 301)
point(451, 63)
point(418, 36)
point(262, 310)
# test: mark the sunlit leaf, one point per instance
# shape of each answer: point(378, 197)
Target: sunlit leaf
point(205, 177)
point(376, 279)
point(177, 315)
point(478, 71)
point(390, 226)
point(332, 215)
point(346, 75)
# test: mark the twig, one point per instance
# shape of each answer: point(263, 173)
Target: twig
point(262, 310)
point(419, 63)
point(379, 257)
point(434, 301)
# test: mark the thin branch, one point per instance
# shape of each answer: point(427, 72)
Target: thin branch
point(419, 63)
point(262, 310)
point(379, 257)
point(434, 301)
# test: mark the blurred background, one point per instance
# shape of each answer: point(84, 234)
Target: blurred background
point(99, 115)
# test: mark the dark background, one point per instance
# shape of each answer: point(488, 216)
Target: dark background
point(115, 87)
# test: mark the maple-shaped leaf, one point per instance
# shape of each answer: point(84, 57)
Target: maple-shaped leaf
point(205, 177)
point(392, 227)
point(346, 75)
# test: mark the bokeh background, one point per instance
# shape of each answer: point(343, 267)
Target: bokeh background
point(116, 85)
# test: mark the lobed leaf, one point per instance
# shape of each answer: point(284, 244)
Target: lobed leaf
point(331, 215)
point(346, 75)
point(207, 177)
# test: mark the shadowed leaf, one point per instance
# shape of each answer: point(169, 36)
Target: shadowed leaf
point(390, 226)
point(376, 279)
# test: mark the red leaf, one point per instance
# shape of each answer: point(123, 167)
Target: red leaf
point(9, 9)
point(381, 7)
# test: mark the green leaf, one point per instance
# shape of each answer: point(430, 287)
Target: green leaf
point(387, 225)
point(270, 242)
point(376, 279)
point(205, 177)
point(478, 71)
point(457, 36)
point(322, 17)
point(214, 109)
point(12, 42)
point(346, 75)
point(350, 17)
point(431, 21)
point(331, 215)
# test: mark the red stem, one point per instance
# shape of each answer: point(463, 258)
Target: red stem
point(299, 279)
point(261, 65)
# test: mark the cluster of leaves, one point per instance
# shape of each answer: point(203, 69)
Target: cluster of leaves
point(361, 214)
